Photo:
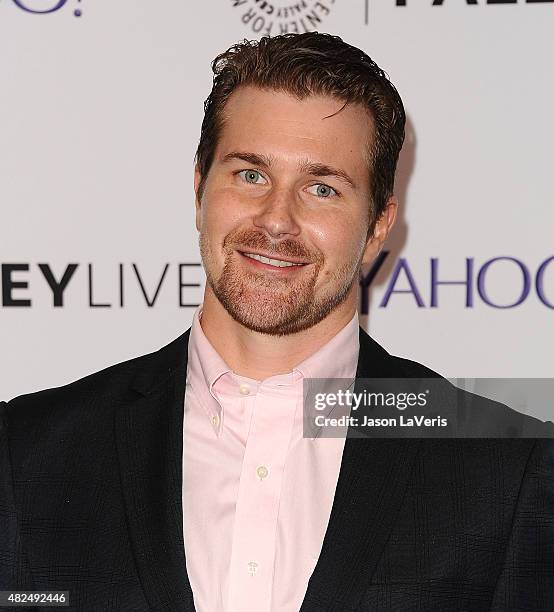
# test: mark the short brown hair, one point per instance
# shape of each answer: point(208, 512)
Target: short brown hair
point(303, 65)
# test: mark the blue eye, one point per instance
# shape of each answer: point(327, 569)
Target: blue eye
point(324, 191)
point(251, 176)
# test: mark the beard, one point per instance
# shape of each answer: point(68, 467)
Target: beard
point(270, 304)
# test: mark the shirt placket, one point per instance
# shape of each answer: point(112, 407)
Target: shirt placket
point(255, 527)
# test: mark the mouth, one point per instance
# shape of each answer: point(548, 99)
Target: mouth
point(272, 262)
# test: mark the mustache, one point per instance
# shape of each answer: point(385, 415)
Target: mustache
point(246, 239)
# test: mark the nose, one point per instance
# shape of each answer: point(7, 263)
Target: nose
point(277, 214)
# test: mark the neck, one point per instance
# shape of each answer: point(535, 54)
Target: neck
point(258, 356)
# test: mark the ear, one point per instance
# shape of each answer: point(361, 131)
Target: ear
point(381, 230)
point(197, 199)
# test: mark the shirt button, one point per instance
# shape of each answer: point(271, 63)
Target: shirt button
point(252, 567)
point(215, 420)
point(244, 389)
point(262, 472)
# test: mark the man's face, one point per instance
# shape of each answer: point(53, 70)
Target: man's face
point(289, 182)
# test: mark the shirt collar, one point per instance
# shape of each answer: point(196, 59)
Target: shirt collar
point(338, 358)
point(205, 367)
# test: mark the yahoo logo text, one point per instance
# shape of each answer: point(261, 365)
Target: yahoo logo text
point(474, 278)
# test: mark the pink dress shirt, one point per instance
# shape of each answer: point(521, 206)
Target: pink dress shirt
point(257, 495)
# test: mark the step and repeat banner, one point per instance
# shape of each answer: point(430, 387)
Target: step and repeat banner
point(100, 111)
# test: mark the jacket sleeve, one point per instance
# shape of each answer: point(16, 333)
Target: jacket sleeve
point(526, 581)
point(8, 519)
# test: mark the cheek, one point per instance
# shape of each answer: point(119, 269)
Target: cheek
point(221, 213)
point(340, 240)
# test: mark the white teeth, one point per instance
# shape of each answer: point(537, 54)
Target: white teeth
point(274, 262)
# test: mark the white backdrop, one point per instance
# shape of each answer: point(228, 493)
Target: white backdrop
point(99, 120)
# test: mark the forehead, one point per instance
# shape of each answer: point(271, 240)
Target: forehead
point(275, 123)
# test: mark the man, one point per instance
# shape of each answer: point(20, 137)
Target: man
point(181, 480)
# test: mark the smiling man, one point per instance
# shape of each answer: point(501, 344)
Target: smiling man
point(182, 479)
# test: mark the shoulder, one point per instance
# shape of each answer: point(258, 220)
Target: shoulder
point(70, 429)
point(93, 394)
point(413, 369)
point(375, 360)
point(475, 416)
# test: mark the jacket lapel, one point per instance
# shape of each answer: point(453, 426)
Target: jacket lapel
point(149, 434)
point(370, 488)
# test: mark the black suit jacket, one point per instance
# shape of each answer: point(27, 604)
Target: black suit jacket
point(90, 502)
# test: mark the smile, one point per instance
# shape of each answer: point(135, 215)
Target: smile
point(271, 261)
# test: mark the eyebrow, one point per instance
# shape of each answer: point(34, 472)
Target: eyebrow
point(313, 168)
